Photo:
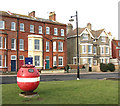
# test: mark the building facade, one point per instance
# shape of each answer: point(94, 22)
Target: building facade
point(94, 46)
point(23, 36)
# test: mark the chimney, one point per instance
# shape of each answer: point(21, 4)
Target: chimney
point(69, 27)
point(52, 16)
point(89, 26)
point(31, 14)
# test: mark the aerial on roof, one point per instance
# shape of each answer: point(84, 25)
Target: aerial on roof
point(4, 13)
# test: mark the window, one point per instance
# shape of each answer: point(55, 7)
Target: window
point(47, 46)
point(62, 32)
point(85, 37)
point(21, 27)
point(107, 50)
point(13, 44)
point(12, 25)
point(84, 61)
point(83, 49)
point(119, 52)
point(1, 42)
point(5, 43)
point(118, 43)
point(37, 44)
point(89, 49)
point(32, 28)
point(37, 60)
point(21, 57)
point(5, 61)
point(89, 61)
point(74, 60)
point(94, 62)
point(30, 44)
point(106, 61)
point(13, 57)
point(60, 61)
point(21, 44)
point(54, 60)
point(54, 46)
point(2, 25)
point(55, 31)
point(102, 60)
point(94, 40)
point(40, 29)
point(60, 46)
point(94, 50)
point(103, 39)
point(0, 60)
point(102, 50)
point(47, 30)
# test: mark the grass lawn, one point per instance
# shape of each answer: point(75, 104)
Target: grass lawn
point(65, 92)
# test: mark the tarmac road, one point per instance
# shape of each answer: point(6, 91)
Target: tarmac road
point(61, 77)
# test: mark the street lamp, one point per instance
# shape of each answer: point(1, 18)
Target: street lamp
point(78, 77)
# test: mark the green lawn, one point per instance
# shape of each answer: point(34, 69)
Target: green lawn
point(65, 92)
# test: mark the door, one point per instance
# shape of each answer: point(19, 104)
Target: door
point(13, 63)
point(47, 62)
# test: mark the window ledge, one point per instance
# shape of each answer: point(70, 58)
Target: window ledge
point(13, 49)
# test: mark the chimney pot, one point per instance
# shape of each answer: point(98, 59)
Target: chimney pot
point(32, 14)
point(52, 16)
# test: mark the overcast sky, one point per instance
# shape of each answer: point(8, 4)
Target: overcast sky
point(100, 13)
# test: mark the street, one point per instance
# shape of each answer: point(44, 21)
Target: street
point(61, 77)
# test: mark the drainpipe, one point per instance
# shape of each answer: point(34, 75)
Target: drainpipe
point(17, 44)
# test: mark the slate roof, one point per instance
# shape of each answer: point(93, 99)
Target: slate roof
point(4, 13)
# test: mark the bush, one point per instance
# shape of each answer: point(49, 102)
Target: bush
point(55, 67)
point(103, 67)
point(111, 67)
point(67, 67)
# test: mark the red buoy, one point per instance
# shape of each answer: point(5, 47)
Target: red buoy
point(28, 78)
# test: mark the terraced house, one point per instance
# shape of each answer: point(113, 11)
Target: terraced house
point(23, 36)
point(94, 46)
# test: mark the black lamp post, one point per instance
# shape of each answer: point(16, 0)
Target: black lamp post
point(78, 77)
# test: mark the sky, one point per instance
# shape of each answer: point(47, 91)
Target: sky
point(100, 13)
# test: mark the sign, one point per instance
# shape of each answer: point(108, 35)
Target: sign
point(28, 60)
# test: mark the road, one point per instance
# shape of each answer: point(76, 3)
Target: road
point(62, 77)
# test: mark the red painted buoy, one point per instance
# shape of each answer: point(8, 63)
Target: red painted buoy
point(28, 78)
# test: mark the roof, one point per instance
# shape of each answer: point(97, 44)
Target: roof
point(9, 14)
point(115, 42)
point(96, 33)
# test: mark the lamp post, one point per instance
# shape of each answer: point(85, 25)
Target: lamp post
point(78, 77)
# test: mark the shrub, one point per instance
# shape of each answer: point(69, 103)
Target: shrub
point(55, 67)
point(111, 67)
point(103, 67)
point(67, 67)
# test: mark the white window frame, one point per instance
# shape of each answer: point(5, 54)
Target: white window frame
point(21, 44)
point(13, 26)
point(84, 60)
point(119, 52)
point(102, 50)
point(103, 39)
point(40, 29)
point(55, 31)
point(31, 28)
point(107, 52)
point(62, 32)
point(36, 45)
point(106, 60)
point(90, 62)
point(2, 26)
point(102, 60)
point(54, 46)
point(38, 61)
point(54, 61)
point(90, 52)
point(1, 42)
point(60, 57)
point(13, 57)
point(85, 36)
point(4, 43)
point(74, 60)
point(1, 61)
point(94, 62)
point(47, 46)
point(118, 43)
point(60, 46)
point(5, 61)
point(84, 49)
point(22, 27)
point(21, 58)
point(48, 30)
point(13, 44)
point(30, 44)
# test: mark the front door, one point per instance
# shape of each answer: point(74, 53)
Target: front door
point(47, 62)
point(13, 63)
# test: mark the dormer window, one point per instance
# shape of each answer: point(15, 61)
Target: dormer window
point(85, 36)
point(103, 39)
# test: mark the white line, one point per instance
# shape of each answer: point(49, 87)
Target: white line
point(28, 79)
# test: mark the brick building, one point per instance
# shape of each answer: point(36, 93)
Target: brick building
point(14, 48)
